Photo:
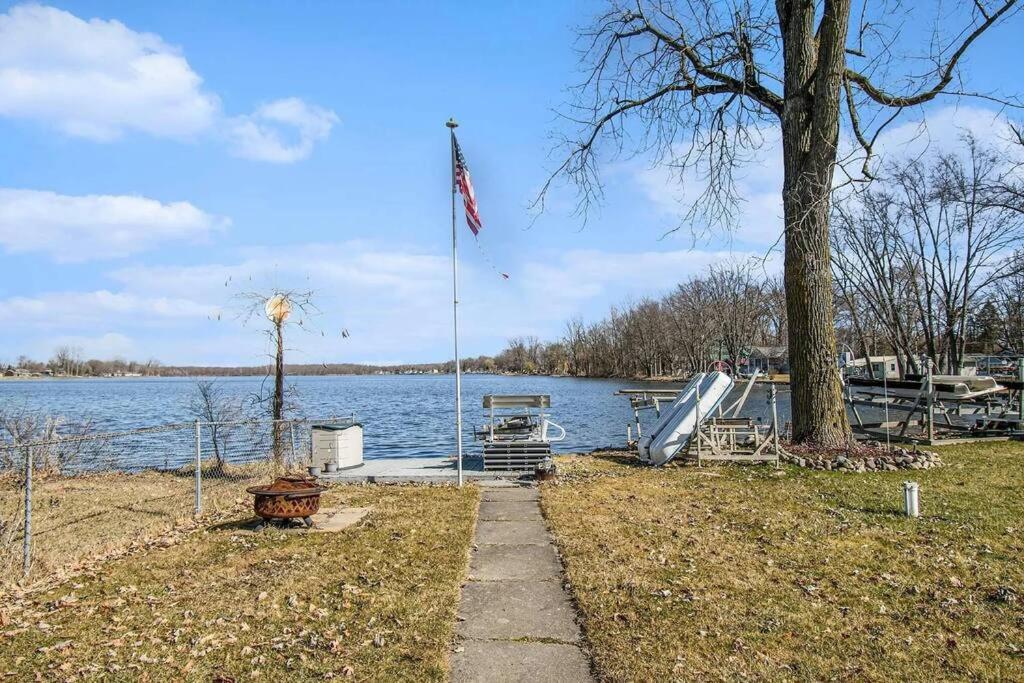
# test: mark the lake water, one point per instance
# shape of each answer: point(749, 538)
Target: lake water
point(402, 415)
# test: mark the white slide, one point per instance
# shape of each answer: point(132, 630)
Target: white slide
point(675, 428)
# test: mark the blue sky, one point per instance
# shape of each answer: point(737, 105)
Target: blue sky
point(158, 159)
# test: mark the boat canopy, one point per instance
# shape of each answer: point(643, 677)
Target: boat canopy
point(517, 401)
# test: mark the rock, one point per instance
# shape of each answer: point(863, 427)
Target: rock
point(889, 467)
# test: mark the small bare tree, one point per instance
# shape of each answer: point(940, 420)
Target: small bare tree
point(281, 308)
point(210, 403)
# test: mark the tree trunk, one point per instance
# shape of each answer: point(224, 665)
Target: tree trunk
point(277, 407)
point(810, 133)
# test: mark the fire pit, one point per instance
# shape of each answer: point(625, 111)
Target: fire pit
point(289, 497)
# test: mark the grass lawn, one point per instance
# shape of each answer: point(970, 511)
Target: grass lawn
point(738, 572)
point(373, 602)
point(77, 519)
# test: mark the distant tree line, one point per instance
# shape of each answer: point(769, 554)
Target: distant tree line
point(69, 361)
point(719, 314)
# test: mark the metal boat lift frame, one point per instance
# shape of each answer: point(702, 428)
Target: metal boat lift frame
point(725, 437)
point(517, 448)
point(991, 422)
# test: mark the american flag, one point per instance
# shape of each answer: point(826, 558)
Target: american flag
point(465, 186)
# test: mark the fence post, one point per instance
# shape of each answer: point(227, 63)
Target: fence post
point(199, 470)
point(26, 547)
point(291, 432)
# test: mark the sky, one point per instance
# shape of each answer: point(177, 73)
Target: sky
point(158, 161)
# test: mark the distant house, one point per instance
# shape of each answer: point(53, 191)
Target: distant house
point(879, 364)
point(987, 364)
point(768, 359)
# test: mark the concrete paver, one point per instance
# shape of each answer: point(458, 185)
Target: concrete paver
point(520, 532)
point(514, 563)
point(512, 610)
point(509, 510)
point(490, 660)
point(508, 494)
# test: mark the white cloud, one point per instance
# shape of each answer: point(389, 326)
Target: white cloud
point(396, 301)
point(105, 346)
point(262, 135)
point(68, 310)
point(79, 228)
point(758, 219)
point(99, 79)
point(943, 129)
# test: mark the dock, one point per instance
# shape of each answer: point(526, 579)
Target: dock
point(427, 470)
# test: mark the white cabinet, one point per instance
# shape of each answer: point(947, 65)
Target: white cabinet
point(338, 444)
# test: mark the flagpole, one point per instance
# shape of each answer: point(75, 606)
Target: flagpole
point(452, 125)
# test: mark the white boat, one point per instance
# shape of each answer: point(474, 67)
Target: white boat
point(947, 387)
point(696, 402)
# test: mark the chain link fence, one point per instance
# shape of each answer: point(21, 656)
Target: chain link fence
point(76, 497)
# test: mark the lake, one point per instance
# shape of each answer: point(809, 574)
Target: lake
point(402, 415)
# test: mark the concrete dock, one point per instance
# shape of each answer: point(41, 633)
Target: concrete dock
point(380, 470)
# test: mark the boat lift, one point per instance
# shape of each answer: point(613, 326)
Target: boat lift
point(653, 399)
point(697, 422)
point(942, 409)
point(518, 435)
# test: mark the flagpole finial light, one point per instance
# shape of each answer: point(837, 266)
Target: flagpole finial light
point(452, 124)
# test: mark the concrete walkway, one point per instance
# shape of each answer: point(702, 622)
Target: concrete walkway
point(516, 622)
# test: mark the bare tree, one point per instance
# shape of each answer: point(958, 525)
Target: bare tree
point(67, 360)
point(210, 403)
point(923, 254)
point(690, 309)
point(740, 310)
point(698, 82)
point(1008, 297)
point(281, 308)
point(874, 282)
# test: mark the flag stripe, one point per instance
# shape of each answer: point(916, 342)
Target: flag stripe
point(465, 186)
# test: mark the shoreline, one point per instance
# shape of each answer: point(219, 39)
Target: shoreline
point(661, 379)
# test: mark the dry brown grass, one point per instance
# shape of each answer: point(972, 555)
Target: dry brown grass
point(76, 519)
point(736, 572)
point(374, 602)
